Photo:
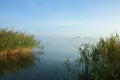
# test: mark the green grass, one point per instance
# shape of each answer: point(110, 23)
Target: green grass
point(14, 41)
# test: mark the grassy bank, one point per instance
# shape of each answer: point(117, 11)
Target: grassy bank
point(12, 42)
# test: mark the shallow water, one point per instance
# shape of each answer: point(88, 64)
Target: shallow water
point(48, 66)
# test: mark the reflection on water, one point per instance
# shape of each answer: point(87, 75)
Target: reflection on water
point(50, 66)
point(73, 70)
point(14, 64)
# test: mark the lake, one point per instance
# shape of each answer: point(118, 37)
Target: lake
point(48, 66)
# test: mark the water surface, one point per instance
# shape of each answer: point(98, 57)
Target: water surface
point(48, 66)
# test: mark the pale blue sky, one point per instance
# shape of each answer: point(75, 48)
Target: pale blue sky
point(62, 17)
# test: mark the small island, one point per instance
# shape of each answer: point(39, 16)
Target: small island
point(16, 42)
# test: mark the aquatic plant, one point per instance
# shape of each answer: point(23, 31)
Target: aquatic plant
point(98, 62)
point(106, 59)
point(12, 42)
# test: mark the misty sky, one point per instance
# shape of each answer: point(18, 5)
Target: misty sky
point(62, 17)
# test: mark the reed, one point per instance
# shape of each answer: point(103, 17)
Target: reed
point(12, 42)
point(100, 61)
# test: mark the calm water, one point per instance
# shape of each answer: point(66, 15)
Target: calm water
point(48, 66)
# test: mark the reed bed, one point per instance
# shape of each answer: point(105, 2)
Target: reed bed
point(12, 42)
point(100, 61)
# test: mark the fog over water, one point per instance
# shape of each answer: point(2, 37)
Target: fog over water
point(56, 51)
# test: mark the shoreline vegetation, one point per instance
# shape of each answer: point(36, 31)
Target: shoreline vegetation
point(16, 42)
point(96, 62)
